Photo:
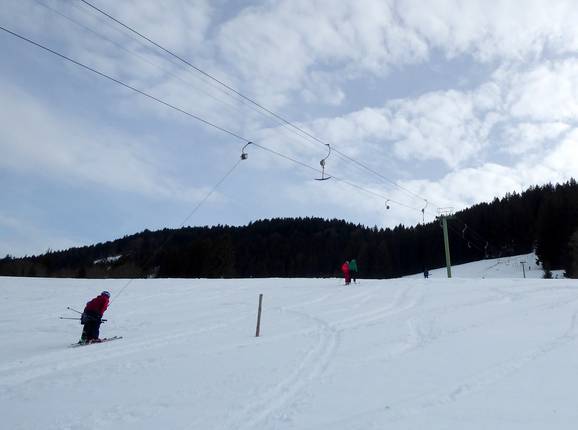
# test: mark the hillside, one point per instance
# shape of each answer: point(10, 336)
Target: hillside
point(542, 219)
point(500, 268)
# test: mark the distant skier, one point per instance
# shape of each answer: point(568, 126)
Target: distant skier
point(425, 273)
point(346, 273)
point(353, 270)
point(91, 318)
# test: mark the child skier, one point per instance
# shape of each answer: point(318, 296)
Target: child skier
point(91, 318)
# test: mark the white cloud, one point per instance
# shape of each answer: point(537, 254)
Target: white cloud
point(500, 30)
point(465, 187)
point(563, 160)
point(451, 126)
point(547, 92)
point(525, 137)
point(59, 146)
point(279, 46)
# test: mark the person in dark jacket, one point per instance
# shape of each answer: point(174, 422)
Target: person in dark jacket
point(91, 318)
point(353, 270)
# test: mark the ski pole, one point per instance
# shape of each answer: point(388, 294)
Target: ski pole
point(70, 309)
point(67, 318)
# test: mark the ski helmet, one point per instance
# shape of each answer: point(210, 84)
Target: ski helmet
point(105, 293)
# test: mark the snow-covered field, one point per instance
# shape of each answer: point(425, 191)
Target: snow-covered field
point(398, 354)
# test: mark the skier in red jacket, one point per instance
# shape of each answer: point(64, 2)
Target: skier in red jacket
point(91, 318)
point(346, 272)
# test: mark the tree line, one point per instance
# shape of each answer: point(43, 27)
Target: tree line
point(543, 218)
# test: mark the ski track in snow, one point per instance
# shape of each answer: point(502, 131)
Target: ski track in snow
point(418, 337)
point(278, 399)
point(22, 371)
point(490, 376)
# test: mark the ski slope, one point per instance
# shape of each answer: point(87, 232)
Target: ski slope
point(506, 267)
point(396, 354)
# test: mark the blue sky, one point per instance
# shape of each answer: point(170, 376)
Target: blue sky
point(450, 102)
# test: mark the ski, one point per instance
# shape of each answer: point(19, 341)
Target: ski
point(105, 339)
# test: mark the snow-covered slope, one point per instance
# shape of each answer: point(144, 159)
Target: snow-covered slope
point(507, 267)
point(397, 354)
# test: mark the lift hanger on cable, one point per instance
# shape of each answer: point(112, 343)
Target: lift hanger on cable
point(244, 155)
point(322, 163)
point(423, 212)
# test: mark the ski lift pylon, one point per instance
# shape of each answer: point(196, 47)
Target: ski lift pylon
point(322, 164)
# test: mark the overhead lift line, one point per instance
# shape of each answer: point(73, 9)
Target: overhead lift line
point(244, 97)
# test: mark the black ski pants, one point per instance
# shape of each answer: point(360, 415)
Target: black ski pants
point(91, 329)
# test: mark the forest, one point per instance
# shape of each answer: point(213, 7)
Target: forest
point(543, 219)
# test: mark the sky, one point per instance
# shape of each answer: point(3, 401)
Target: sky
point(412, 104)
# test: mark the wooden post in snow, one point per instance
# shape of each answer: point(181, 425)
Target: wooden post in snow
point(259, 315)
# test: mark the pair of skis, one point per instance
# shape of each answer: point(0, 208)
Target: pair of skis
point(103, 340)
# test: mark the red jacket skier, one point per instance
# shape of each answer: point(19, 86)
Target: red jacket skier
point(99, 304)
point(92, 317)
point(346, 273)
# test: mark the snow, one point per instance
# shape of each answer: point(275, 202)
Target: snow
point(110, 259)
point(411, 353)
point(506, 267)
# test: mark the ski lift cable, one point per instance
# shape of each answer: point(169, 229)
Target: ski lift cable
point(121, 83)
point(143, 58)
point(384, 178)
point(196, 117)
point(246, 98)
point(338, 179)
point(200, 78)
point(185, 220)
point(126, 30)
point(160, 67)
point(196, 68)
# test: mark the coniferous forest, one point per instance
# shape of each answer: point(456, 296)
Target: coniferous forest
point(544, 219)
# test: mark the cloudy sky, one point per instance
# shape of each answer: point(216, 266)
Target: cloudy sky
point(453, 102)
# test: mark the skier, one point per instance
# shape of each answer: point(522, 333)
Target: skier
point(346, 274)
point(91, 318)
point(353, 270)
point(425, 273)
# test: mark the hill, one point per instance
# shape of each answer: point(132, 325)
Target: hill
point(542, 219)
